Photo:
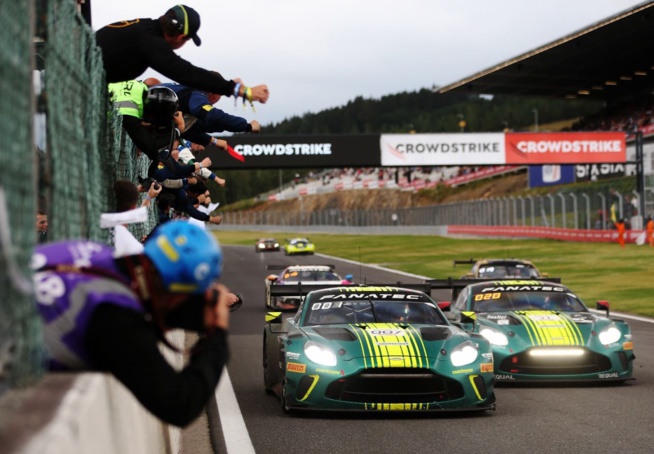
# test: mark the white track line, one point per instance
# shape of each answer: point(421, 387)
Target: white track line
point(237, 437)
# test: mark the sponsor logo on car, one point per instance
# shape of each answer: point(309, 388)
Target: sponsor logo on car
point(487, 367)
point(330, 372)
point(386, 332)
point(296, 367)
point(628, 345)
point(462, 371)
point(610, 375)
point(292, 355)
point(504, 377)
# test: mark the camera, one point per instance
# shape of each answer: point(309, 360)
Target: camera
point(146, 183)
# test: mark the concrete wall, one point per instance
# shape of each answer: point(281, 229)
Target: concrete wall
point(81, 413)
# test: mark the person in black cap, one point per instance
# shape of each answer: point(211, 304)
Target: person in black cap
point(130, 47)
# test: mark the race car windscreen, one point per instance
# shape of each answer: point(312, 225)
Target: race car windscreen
point(372, 311)
point(307, 276)
point(527, 301)
point(508, 270)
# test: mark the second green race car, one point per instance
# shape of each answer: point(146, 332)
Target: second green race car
point(542, 331)
point(375, 349)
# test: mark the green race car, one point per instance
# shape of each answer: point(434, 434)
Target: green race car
point(299, 246)
point(542, 331)
point(374, 349)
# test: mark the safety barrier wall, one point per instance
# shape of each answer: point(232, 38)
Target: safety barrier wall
point(552, 233)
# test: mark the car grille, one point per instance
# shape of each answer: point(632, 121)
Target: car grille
point(395, 385)
point(523, 363)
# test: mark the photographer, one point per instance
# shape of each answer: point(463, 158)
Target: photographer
point(109, 314)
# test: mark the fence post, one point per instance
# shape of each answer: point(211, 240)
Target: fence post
point(574, 209)
point(551, 197)
point(603, 197)
point(563, 214)
point(587, 198)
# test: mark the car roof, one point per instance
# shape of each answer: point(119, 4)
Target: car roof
point(309, 268)
point(504, 261)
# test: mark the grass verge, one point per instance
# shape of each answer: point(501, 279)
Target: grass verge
point(595, 271)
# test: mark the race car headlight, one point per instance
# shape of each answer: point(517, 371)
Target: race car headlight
point(494, 337)
point(261, 245)
point(276, 245)
point(463, 354)
point(319, 354)
point(609, 335)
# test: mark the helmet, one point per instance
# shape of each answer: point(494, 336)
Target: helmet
point(161, 103)
point(187, 258)
point(349, 277)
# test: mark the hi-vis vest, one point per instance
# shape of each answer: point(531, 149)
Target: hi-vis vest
point(128, 97)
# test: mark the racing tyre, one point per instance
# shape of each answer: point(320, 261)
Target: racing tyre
point(266, 386)
point(285, 407)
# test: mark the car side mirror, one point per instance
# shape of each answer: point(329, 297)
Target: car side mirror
point(273, 317)
point(468, 317)
point(603, 305)
point(445, 306)
point(271, 278)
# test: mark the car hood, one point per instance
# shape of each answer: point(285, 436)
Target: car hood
point(388, 344)
point(545, 327)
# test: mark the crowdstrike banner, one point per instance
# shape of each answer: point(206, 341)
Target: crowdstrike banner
point(442, 149)
point(297, 151)
point(403, 150)
point(566, 148)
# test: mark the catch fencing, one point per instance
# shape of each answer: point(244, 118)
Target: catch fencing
point(63, 150)
point(571, 208)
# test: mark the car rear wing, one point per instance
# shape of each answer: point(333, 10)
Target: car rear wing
point(282, 267)
point(469, 261)
point(303, 289)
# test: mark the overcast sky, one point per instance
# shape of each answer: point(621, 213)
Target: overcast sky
point(317, 54)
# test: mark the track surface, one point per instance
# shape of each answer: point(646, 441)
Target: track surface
point(539, 419)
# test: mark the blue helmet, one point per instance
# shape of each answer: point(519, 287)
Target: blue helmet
point(349, 277)
point(187, 258)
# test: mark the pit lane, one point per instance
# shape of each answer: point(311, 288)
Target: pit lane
point(539, 419)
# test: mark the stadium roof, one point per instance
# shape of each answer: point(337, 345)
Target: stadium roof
point(606, 60)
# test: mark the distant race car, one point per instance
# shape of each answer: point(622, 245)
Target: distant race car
point(500, 269)
point(542, 331)
point(299, 246)
point(266, 244)
point(305, 274)
point(375, 349)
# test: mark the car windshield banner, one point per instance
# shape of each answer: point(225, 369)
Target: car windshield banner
point(566, 148)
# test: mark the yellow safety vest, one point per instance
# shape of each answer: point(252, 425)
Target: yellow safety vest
point(128, 97)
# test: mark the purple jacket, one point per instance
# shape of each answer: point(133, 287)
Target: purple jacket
point(71, 279)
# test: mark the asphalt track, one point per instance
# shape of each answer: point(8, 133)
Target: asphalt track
point(529, 419)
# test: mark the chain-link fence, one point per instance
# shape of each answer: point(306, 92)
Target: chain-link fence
point(572, 207)
point(63, 150)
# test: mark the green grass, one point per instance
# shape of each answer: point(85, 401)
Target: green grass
point(595, 271)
